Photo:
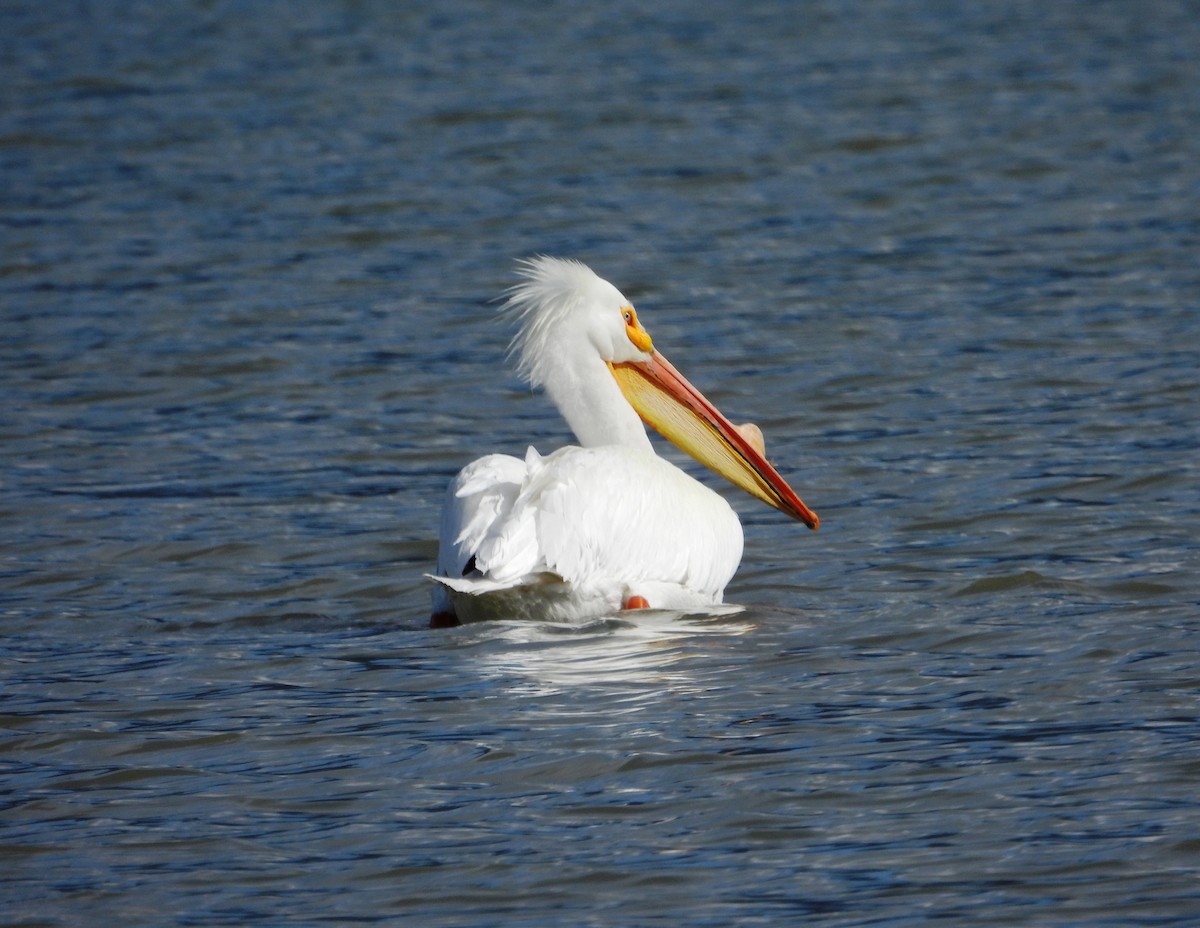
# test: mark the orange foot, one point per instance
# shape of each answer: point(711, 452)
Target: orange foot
point(636, 602)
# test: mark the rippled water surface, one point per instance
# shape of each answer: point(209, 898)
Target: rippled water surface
point(946, 256)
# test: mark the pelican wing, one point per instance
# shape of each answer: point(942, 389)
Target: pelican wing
point(606, 522)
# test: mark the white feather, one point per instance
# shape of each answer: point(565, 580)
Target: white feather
point(605, 522)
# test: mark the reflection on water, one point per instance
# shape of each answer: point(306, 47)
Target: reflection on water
point(945, 255)
point(649, 650)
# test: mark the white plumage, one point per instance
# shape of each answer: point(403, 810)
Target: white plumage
point(592, 529)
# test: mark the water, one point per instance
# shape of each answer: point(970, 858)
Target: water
point(945, 256)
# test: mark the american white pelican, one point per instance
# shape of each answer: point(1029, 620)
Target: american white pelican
point(606, 525)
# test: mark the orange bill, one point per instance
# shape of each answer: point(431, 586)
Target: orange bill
point(681, 414)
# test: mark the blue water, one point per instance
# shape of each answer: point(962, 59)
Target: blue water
point(944, 254)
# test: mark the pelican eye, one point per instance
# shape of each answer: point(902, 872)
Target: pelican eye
point(639, 336)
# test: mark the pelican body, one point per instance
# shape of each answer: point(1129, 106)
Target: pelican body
point(604, 525)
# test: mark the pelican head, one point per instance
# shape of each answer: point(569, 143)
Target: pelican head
point(563, 306)
point(581, 340)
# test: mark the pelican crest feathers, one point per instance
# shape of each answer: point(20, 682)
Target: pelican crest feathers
point(546, 304)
